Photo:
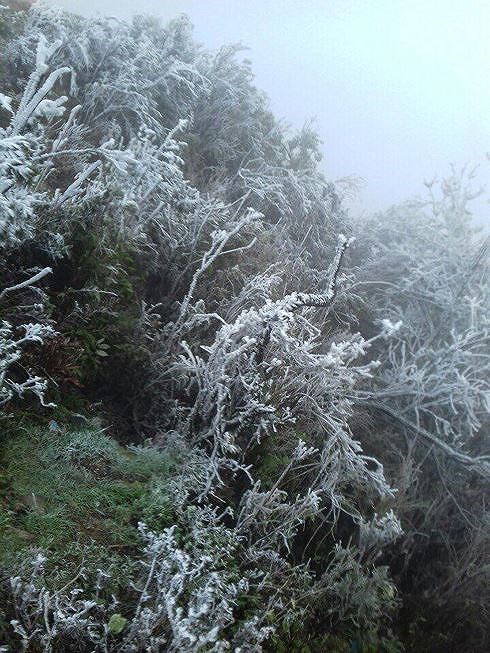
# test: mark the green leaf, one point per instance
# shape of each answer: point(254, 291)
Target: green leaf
point(116, 623)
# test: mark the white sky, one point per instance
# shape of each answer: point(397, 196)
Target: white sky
point(399, 88)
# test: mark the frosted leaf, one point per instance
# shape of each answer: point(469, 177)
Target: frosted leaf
point(6, 103)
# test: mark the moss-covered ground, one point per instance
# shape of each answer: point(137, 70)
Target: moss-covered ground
point(78, 495)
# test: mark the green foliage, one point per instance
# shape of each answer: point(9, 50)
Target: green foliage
point(298, 639)
point(270, 467)
point(117, 623)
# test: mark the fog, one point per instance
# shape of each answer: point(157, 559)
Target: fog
point(398, 90)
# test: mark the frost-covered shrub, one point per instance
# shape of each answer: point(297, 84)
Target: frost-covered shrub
point(424, 264)
point(358, 596)
point(185, 599)
point(242, 393)
point(379, 531)
point(438, 288)
point(13, 342)
point(11, 352)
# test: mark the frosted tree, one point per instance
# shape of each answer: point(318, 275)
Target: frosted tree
point(272, 352)
point(436, 370)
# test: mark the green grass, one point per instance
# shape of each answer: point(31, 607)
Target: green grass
point(74, 492)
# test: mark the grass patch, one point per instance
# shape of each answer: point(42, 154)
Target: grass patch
point(69, 492)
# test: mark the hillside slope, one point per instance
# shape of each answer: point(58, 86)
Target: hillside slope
point(233, 417)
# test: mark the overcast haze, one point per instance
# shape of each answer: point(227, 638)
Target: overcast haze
point(399, 88)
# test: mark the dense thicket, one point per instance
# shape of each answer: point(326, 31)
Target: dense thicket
point(234, 418)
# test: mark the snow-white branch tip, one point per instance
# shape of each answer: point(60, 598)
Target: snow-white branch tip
point(28, 282)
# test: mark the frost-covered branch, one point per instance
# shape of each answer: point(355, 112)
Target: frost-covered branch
point(28, 282)
point(34, 93)
point(478, 463)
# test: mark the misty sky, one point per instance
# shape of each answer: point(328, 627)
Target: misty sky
point(399, 88)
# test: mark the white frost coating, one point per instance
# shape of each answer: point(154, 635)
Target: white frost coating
point(6, 103)
point(233, 395)
point(167, 575)
point(249, 369)
point(28, 282)
point(389, 329)
point(379, 531)
point(75, 188)
point(11, 352)
point(35, 92)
